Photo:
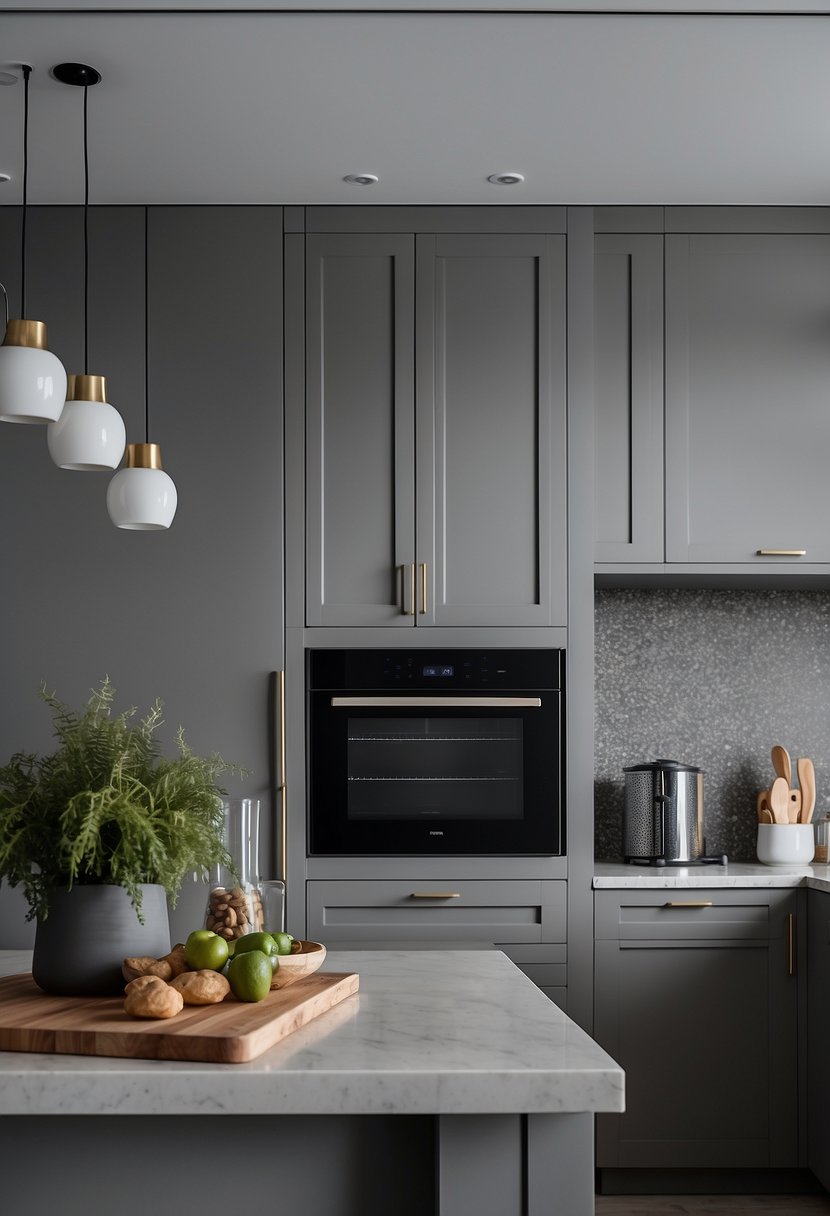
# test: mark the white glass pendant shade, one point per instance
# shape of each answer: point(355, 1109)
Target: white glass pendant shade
point(142, 496)
point(32, 379)
point(90, 432)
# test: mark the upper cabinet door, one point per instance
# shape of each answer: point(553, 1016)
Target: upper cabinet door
point(628, 392)
point(360, 430)
point(491, 459)
point(747, 385)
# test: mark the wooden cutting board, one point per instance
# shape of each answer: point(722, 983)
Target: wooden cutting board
point(228, 1033)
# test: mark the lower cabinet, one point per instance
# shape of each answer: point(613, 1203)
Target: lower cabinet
point(696, 997)
point(527, 919)
point(818, 1035)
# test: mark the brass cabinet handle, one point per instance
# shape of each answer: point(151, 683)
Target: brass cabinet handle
point(435, 895)
point(281, 778)
point(282, 788)
point(780, 552)
point(790, 944)
point(689, 903)
point(423, 569)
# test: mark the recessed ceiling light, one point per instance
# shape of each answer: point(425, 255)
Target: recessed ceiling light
point(506, 179)
point(361, 179)
point(8, 78)
point(5, 177)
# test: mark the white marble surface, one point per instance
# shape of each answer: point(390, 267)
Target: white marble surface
point(429, 1032)
point(614, 875)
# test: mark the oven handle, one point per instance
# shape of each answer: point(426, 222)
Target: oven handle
point(438, 702)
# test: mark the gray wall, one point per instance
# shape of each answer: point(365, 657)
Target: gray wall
point(714, 679)
point(193, 615)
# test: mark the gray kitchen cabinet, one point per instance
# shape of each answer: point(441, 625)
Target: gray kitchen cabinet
point(628, 396)
point(818, 1038)
point(435, 480)
point(747, 369)
point(525, 918)
point(696, 997)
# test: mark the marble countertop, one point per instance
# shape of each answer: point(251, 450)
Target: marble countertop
point(429, 1032)
point(614, 875)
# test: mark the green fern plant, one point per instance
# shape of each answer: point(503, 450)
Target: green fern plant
point(107, 807)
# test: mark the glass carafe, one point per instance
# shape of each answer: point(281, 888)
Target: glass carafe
point(234, 905)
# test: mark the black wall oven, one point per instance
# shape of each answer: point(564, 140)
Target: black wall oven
point(418, 752)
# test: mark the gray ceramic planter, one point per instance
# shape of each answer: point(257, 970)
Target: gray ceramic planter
point(89, 931)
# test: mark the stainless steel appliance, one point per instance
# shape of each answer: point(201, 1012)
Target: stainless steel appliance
point(419, 752)
point(663, 815)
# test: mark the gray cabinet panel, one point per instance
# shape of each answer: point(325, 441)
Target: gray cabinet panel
point(706, 1031)
point(360, 457)
point(491, 428)
point(628, 393)
point(818, 1038)
point(426, 910)
point(747, 369)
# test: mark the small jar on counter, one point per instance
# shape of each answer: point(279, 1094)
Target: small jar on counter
point(234, 906)
point(822, 831)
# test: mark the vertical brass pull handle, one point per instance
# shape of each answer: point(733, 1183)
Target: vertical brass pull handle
point(282, 789)
point(790, 944)
point(411, 589)
point(423, 568)
point(410, 611)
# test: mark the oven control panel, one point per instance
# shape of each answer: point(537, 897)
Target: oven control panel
point(426, 669)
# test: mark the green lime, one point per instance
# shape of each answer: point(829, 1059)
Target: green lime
point(256, 941)
point(205, 950)
point(249, 975)
point(284, 942)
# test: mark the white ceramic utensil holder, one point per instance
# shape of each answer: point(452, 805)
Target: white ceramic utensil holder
point(785, 844)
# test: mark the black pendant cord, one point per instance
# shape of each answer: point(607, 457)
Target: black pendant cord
point(27, 71)
point(86, 234)
point(146, 327)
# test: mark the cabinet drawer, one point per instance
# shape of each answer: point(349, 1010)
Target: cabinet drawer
point(546, 965)
point(689, 915)
point(437, 910)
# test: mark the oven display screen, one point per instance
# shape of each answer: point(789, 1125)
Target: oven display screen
point(437, 671)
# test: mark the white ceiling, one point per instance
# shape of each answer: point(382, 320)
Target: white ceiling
point(275, 107)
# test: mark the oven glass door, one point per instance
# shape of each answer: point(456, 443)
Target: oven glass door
point(432, 774)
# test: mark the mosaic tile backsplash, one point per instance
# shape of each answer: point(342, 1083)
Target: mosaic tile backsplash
point(712, 679)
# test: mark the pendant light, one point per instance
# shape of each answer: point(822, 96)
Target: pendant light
point(32, 379)
point(141, 496)
point(90, 433)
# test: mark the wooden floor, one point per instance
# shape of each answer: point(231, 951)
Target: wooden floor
point(712, 1205)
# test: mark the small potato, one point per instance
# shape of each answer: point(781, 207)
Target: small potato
point(201, 987)
point(132, 968)
point(150, 997)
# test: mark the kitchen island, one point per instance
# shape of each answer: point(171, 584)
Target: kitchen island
point(449, 1084)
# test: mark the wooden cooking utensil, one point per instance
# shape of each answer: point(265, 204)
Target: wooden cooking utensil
point(782, 764)
point(807, 781)
point(779, 800)
point(765, 815)
point(762, 805)
point(794, 807)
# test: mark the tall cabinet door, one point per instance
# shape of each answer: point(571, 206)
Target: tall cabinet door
point(491, 429)
point(628, 395)
point(747, 375)
point(360, 504)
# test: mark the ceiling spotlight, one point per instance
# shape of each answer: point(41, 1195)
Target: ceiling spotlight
point(8, 78)
point(361, 179)
point(5, 177)
point(506, 179)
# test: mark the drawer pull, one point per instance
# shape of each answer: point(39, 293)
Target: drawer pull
point(780, 552)
point(435, 895)
point(689, 903)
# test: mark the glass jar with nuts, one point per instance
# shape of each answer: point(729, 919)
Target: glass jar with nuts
point(234, 905)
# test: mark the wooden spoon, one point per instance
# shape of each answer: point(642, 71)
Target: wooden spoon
point(794, 808)
point(765, 815)
point(782, 764)
point(779, 800)
point(762, 806)
point(807, 781)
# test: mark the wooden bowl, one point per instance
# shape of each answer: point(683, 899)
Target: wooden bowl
point(297, 966)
